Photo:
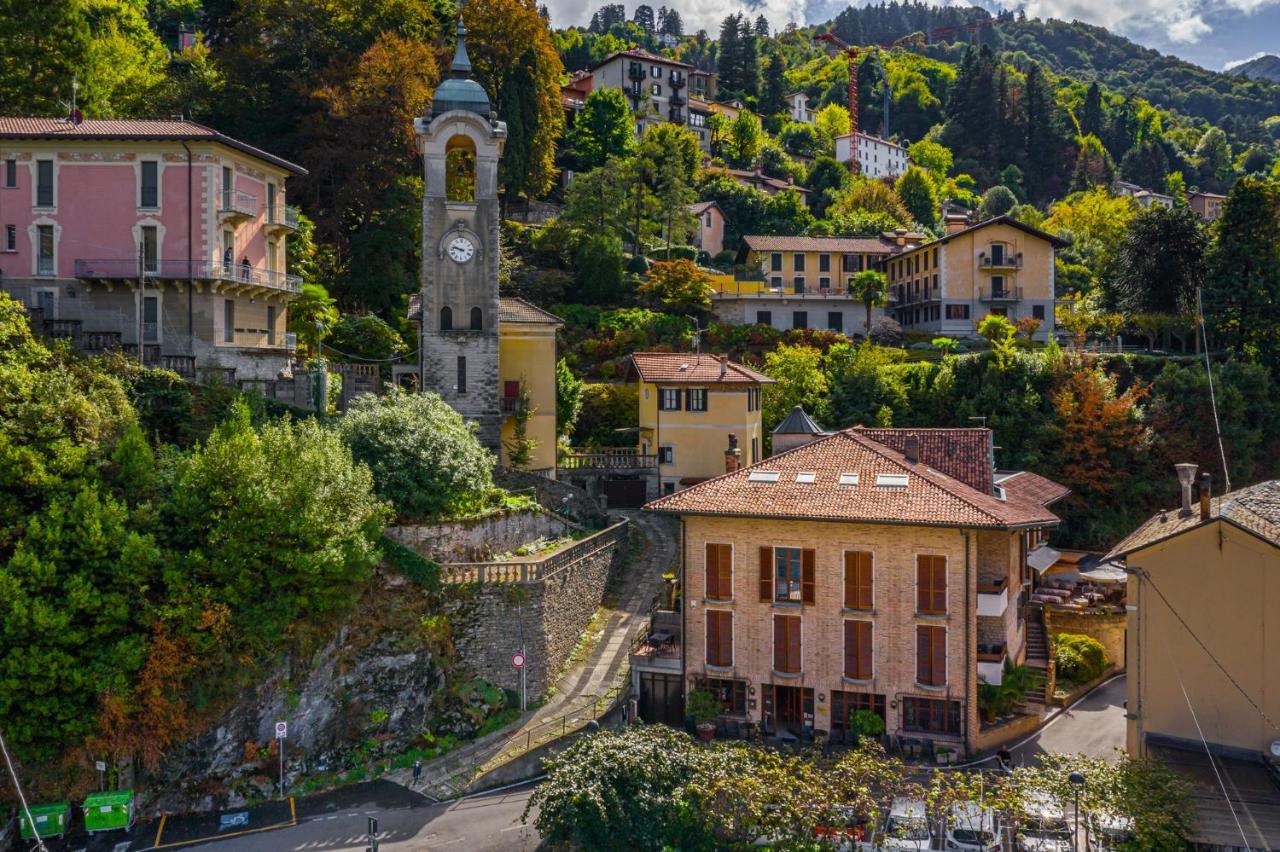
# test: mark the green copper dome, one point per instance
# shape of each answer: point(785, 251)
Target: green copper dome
point(460, 91)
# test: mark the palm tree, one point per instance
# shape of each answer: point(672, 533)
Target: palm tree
point(872, 289)
point(312, 316)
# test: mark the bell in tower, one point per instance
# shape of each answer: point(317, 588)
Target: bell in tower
point(461, 142)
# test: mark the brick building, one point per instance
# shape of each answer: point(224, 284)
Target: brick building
point(873, 569)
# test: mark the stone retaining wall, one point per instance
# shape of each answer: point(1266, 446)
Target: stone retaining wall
point(551, 613)
point(1107, 627)
point(558, 496)
point(479, 539)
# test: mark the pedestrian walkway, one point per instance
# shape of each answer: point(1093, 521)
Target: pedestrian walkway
point(587, 691)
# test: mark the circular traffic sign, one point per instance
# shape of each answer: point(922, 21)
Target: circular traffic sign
point(518, 661)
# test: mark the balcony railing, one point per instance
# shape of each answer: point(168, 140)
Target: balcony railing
point(676, 99)
point(181, 270)
point(238, 204)
point(999, 294)
point(677, 80)
point(606, 458)
point(635, 71)
point(284, 217)
point(1009, 261)
point(993, 597)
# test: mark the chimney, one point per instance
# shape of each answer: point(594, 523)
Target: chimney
point(724, 368)
point(900, 236)
point(1186, 476)
point(732, 455)
point(1206, 489)
point(912, 451)
point(955, 223)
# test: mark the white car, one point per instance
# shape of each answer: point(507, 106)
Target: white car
point(1045, 828)
point(972, 828)
point(906, 828)
point(1107, 831)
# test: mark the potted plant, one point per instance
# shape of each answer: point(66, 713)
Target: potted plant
point(865, 724)
point(704, 709)
point(946, 755)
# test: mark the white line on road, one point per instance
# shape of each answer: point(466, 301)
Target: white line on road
point(513, 828)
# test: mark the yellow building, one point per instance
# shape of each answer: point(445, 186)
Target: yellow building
point(690, 405)
point(1203, 630)
point(1000, 266)
point(527, 365)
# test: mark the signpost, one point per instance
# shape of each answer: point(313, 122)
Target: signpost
point(101, 766)
point(373, 835)
point(518, 661)
point(282, 732)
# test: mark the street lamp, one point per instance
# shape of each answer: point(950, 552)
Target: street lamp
point(1077, 784)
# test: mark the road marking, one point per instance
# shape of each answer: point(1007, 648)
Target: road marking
point(293, 821)
point(160, 830)
point(512, 828)
point(453, 841)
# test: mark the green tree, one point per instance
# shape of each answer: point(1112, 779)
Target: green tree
point(425, 458)
point(603, 130)
point(718, 129)
point(786, 213)
point(773, 94)
point(669, 141)
point(674, 193)
point(366, 337)
point(934, 158)
point(798, 380)
point(997, 201)
point(42, 47)
point(870, 287)
point(1093, 165)
point(595, 199)
point(999, 332)
point(568, 398)
point(1092, 118)
point(1213, 159)
point(745, 138)
point(124, 64)
point(1164, 281)
point(1242, 272)
point(825, 179)
point(312, 317)
point(918, 196)
point(832, 121)
point(520, 446)
point(871, 196)
point(597, 270)
point(804, 140)
point(1146, 165)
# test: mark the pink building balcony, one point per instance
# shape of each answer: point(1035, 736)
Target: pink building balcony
point(182, 270)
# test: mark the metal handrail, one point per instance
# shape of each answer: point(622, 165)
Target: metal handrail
point(238, 202)
point(607, 461)
point(538, 569)
point(127, 268)
point(1005, 294)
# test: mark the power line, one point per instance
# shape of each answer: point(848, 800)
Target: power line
point(406, 356)
point(1147, 576)
point(1209, 753)
point(1213, 400)
point(8, 761)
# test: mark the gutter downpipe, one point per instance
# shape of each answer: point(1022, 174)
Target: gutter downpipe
point(968, 640)
point(191, 342)
point(684, 614)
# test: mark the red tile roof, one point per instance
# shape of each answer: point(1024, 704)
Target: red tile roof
point(846, 245)
point(1255, 509)
point(752, 177)
point(141, 129)
point(1025, 485)
point(511, 309)
point(929, 498)
point(690, 368)
point(964, 454)
point(644, 55)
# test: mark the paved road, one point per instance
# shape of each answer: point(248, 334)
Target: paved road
point(1094, 726)
point(406, 821)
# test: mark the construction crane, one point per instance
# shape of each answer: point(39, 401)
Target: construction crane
point(851, 52)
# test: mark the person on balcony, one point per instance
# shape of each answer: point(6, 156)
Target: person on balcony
point(244, 268)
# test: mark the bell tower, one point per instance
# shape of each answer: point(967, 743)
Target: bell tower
point(461, 142)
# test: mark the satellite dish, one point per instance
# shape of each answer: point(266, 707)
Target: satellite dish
point(1275, 748)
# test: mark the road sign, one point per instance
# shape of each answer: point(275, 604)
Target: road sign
point(518, 661)
point(282, 730)
point(239, 819)
point(373, 835)
point(100, 765)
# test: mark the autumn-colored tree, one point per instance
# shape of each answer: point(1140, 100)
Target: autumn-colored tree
point(506, 37)
point(1098, 432)
point(1027, 328)
point(677, 285)
point(871, 196)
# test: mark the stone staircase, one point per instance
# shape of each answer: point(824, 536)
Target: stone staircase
point(1038, 653)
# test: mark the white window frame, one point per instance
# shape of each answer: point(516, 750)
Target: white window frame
point(10, 239)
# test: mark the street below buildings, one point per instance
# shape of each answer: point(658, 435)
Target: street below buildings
point(1094, 726)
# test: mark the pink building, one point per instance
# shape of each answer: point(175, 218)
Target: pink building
point(164, 233)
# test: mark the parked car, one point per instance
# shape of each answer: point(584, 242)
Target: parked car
point(1108, 832)
point(972, 828)
point(1045, 828)
point(845, 830)
point(906, 828)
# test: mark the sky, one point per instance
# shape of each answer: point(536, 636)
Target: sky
point(1211, 33)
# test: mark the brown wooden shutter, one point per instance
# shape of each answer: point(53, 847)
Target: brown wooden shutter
point(766, 573)
point(713, 638)
point(922, 655)
point(922, 584)
point(793, 643)
point(938, 656)
point(780, 643)
point(711, 586)
point(726, 638)
point(850, 649)
point(726, 572)
point(808, 578)
point(939, 584)
point(850, 580)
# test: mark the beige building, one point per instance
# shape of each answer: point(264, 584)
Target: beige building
point(1207, 204)
point(804, 282)
point(1203, 633)
point(1000, 266)
point(658, 88)
point(692, 407)
point(710, 233)
point(874, 569)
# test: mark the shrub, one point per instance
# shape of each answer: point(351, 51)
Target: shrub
point(637, 264)
point(702, 706)
point(424, 456)
point(1078, 658)
point(597, 274)
point(865, 723)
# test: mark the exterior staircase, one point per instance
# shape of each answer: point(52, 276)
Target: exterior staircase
point(1038, 653)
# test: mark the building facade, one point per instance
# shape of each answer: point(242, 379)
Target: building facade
point(798, 106)
point(162, 238)
point(1203, 649)
point(657, 88)
point(845, 575)
point(877, 158)
point(999, 266)
point(804, 282)
point(692, 407)
point(1208, 205)
point(709, 235)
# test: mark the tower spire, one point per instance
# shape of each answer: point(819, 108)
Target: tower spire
point(461, 68)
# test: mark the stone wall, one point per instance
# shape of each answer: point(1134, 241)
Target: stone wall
point(1108, 628)
point(550, 614)
point(479, 539)
point(559, 496)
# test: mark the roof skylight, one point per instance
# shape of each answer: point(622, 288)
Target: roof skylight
point(848, 479)
point(891, 480)
point(806, 477)
point(764, 476)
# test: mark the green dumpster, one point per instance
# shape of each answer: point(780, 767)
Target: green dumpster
point(108, 811)
point(50, 820)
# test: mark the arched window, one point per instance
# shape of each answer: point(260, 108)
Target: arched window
point(446, 318)
point(477, 317)
point(460, 169)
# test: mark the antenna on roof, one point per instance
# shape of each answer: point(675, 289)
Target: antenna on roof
point(73, 113)
point(982, 421)
point(697, 340)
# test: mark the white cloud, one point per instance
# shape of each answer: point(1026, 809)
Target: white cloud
point(1189, 30)
point(1236, 63)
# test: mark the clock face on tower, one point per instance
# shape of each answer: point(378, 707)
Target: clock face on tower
point(461, 250)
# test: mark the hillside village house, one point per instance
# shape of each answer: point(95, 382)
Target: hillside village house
point(877, 158)
point(692, 407)
point(803, 282)
point(163, 234)
point(709, 235)
point(873, 569)
point(1207, 204)
point(798, 104)
point(657, 88)
point(999, 266)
